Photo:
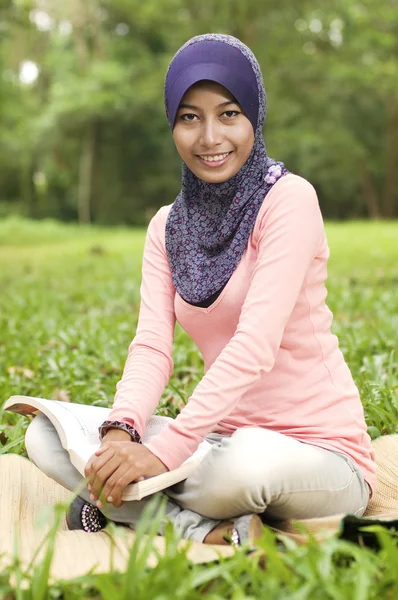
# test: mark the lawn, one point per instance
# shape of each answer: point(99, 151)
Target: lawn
point(68, 308)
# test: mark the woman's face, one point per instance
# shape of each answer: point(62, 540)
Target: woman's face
point(212, 134)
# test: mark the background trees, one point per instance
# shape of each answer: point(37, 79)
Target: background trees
point(82, 128)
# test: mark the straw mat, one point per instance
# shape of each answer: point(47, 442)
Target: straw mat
point(26, 515)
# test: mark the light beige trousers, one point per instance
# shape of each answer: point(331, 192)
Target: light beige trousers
point(252, 471)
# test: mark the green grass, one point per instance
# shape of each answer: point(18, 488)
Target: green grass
point(68, 308)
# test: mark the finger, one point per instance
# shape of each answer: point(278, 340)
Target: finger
point(96, 462)
point(126, 461)
point(119, 461)
point(102, 476)
point(117, 482)
point(89, 474)
point(102, 449)
point(87, 468)
point(96, 471)
point(106, 470)
point(114, 487)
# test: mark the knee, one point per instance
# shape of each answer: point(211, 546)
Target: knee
point(247, 459)
point(234, 494)
point(236, 480)
point(235, 484)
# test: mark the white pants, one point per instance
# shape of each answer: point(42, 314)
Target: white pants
point(252, 471)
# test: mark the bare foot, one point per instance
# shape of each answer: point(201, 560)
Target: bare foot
point(225, 529)
point(216, 535)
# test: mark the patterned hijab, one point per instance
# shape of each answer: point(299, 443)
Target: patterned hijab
point(209, 224)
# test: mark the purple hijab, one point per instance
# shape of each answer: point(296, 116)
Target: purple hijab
point(209, 224)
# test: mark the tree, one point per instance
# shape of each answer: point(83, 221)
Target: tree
point(88, 139)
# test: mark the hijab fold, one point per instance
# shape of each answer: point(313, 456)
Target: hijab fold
point(209, 224)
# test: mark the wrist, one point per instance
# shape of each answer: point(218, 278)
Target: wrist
point(162, 467)
point(116, 435)
point(158, 467)
point(119, 425)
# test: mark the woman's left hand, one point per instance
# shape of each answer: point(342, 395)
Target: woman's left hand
point(115, 465)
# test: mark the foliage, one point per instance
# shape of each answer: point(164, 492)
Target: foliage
point(335, 570)
point(88, 138)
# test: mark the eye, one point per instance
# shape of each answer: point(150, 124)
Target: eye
point(230, 114)
point(188, 117)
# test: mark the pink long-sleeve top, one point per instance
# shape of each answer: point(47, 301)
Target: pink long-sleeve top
point(270, 357)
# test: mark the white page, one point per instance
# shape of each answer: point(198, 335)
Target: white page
point(80, 422)
point(87, 417)
point(155, 424)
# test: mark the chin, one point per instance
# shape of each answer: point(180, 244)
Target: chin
point(213, 177)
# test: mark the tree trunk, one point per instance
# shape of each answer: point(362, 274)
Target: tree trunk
point(369, 191)
point(26, 187)
point(391, 180)
point(85, 175)
point(96, 195)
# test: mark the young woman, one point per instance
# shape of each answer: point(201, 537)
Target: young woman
point(240, 261)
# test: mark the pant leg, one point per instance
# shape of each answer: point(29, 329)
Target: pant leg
point(261, 471)
point(45, 450)
point(253, 471)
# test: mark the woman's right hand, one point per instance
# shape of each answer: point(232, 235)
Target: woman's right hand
point(112, 435)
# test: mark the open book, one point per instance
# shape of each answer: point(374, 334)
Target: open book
point(77, 427)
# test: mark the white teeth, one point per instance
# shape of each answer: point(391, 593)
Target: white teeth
point(214, 158)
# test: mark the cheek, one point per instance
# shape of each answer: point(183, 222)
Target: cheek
point(182, 141)
point(244, 143)
point(247, 140)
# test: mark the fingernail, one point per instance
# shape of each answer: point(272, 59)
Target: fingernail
point(89, 487)
point(92, 497)
point(99, 504)
point(110, 499)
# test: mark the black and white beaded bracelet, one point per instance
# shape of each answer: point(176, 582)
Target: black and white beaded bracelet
point(106, 425)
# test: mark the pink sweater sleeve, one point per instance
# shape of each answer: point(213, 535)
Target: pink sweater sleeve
point(290, 234)
point(149, 363)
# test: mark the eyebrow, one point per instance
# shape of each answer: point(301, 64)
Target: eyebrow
point(218, 105)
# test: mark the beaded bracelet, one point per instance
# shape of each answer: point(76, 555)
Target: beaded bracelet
point(106, 425)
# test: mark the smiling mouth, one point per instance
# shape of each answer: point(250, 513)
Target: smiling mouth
point(214, 160)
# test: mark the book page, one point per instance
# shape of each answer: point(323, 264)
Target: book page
point(154, 426)
point(75, 423)
point(88, 418)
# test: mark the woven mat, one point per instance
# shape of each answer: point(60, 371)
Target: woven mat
point(26, 515)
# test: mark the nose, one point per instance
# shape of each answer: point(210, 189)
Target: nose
point(211, 133)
